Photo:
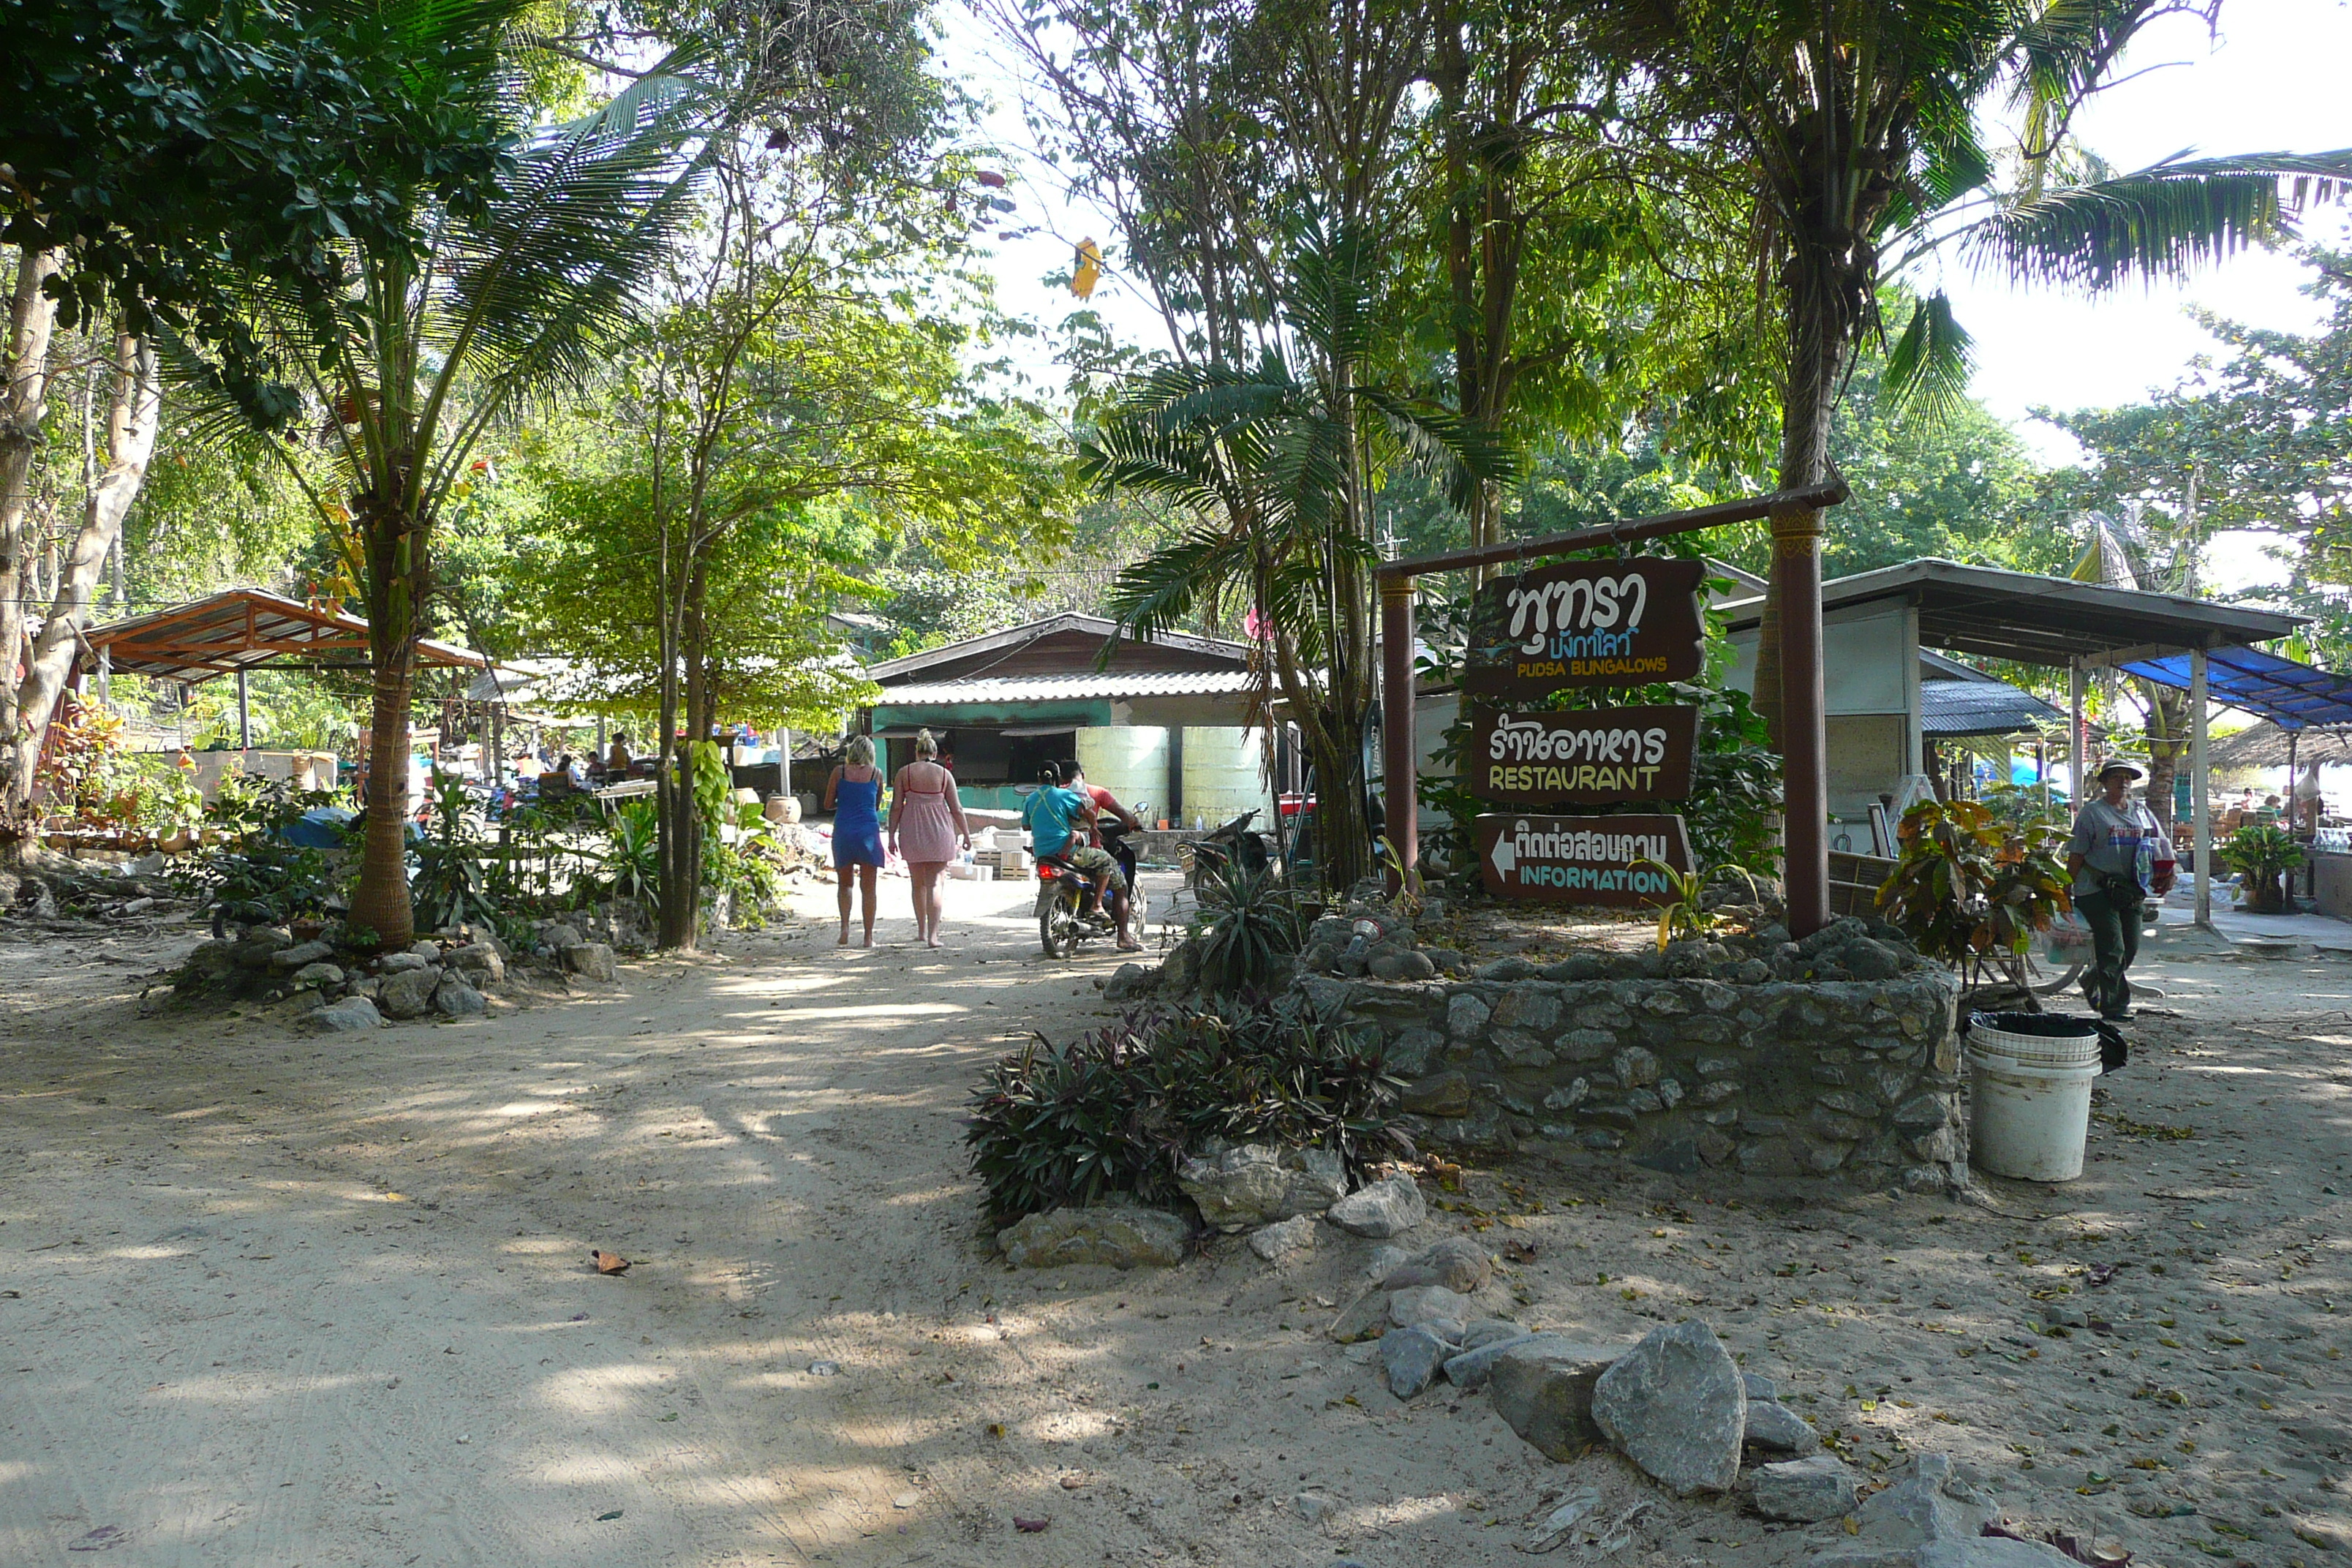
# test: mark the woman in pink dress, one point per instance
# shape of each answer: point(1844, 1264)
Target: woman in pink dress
point(926, 826)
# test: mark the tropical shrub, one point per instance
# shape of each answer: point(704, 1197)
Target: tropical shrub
point(1964, 886)
point(255, 875)
point(1114, 1112)
point(451, 883)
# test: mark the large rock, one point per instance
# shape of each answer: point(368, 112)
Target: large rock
point(1675, 1406)
point(479, 957)
point(318, 975)
point(403, 963)
point(1469, 1371)
point(1400, 963)
point(591, 961)
point(1458, 1263)
point(454, 999)
point(1122, 1235)
point(1777, 1429)
point(351, 1014)
point(1933, 1519)
point(1447, 1094)
point(1130, 980)
point(301, 954)
point(1428, 1304)
point(1280, 1243)
point(409, 993)
point(1382, 1210)
point(1542, 1388)
point(1411, 1357)
point(1803, 1490)
point(1257, 1184)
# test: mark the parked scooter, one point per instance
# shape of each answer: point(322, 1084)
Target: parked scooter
point(1065, 897)
point(1232, 844)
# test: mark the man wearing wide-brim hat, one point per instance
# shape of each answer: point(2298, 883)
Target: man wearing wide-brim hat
point(2119, 853)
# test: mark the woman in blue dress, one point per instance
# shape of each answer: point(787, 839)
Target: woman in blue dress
point(853, 796)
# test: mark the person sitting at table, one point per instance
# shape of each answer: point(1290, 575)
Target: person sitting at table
point(616, 761)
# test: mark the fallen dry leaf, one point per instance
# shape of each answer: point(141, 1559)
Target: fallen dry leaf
point(1028, 1526)
point(609, 1262)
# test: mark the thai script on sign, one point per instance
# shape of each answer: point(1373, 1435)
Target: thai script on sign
point(1543, 618)
point(1532, 843)
point(1623, 861)
point(1526, 740)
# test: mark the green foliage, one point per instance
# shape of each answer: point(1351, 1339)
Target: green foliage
point(185, 154)
point(451, 883)
point(2261, 855)
point(1964, 885)
point(1683, 912)
point(631, 864)
point(253, 876)
point(1248, 925)
point(1116, 1112)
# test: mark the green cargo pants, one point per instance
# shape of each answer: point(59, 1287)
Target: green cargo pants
point(2113, 917)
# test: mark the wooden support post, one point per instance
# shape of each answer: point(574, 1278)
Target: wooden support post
point(1400, 745)
point(1804, 737)
point(2075, 736)
point(244, 714)
point(2201, 796)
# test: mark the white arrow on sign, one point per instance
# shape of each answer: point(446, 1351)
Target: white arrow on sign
point(1503, 855)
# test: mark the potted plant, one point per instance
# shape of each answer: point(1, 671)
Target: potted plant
point(2261, 855)
point(1967, 890)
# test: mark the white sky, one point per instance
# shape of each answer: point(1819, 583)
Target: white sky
point(2273, 79)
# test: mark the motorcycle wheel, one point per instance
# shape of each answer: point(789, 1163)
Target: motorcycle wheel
point(1058, 922)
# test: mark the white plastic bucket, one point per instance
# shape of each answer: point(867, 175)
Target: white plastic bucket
point(2036, 1050)
point(2029, 1121)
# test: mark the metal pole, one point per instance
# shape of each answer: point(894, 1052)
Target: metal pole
point(1399, 758)
point(2076, 737)
point(244, 715)
point(2201, 799)
point(784, 758)
point(1804, 737)
point(2292, 737)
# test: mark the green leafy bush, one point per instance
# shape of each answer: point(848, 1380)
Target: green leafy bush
point(451, 885)
point(1248, 924)
point(1964, 885)
point(1115, 1111)
point(253, 876)
point(2261, 855)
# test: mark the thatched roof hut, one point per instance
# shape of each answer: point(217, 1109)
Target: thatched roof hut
point(2264, 745)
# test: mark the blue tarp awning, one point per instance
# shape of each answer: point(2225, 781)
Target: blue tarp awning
point(2291, 696)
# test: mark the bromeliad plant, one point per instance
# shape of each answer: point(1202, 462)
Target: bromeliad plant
point(1114, 1112)
point(1965, 888)
point(1249, 924)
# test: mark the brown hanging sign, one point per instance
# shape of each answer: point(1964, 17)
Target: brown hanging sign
point(1585, 623)
point(1589, 757)
point(1581, 859)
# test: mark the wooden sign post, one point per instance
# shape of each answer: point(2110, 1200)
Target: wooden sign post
point(1581, 859)
point(1587, 623)
point(1588, 757)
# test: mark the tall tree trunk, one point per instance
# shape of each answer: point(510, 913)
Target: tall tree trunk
point(399, 572)
point(24, 403)
point(2167, 745)
point(134, 410)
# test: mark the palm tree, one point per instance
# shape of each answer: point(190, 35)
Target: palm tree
point(1856, 128)
point(1279, 460)
point(503, 299)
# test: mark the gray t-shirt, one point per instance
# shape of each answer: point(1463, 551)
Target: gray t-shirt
point(2121, 841)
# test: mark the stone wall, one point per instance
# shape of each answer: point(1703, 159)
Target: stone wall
point(1772, 1058)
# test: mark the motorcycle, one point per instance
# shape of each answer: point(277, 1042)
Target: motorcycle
point(1065, 896)
point(1232, 844)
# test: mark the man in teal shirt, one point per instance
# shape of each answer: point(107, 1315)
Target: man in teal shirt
point(1053, 815)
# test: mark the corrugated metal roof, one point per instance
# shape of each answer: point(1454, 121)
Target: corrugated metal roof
point(1066, 688)
point(1980, 708)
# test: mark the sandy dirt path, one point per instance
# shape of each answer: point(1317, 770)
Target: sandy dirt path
point(289, 1300)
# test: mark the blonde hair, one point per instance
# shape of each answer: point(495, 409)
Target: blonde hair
point(860, 750)
point(926, 744)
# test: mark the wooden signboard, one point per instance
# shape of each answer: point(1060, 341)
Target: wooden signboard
point(1587, 758)
point(1581, 859)
point(1586, 623)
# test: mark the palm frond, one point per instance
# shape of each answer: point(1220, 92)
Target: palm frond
point(1460, 454)
point(2156, 222)
point(1159, 592)
point(1928, 365)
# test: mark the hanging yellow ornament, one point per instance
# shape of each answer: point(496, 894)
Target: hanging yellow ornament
point(1087, 270)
